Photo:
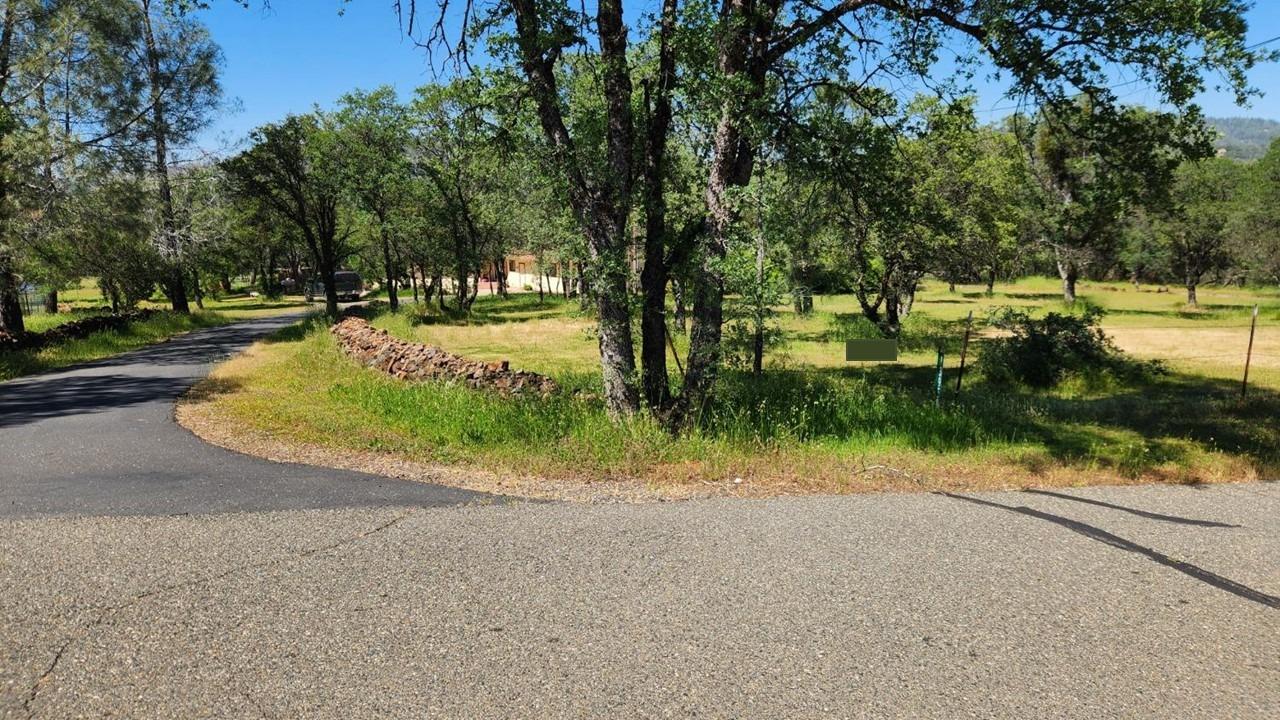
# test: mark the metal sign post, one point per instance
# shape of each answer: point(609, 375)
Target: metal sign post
point(937, 381)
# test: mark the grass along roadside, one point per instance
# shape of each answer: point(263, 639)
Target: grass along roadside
point(808, 427)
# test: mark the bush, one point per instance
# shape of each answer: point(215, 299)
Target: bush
point(1043, 352)
point(919, 333)
point(739, 342)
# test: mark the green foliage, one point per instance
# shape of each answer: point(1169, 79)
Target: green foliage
point(810, 407)
point(1256, 245)
point(755, 276)
point(1200, 220)
point(1042, 352)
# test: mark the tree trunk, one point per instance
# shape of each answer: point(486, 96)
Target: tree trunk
point(801, 298)
point(742, 57)
point(1069, 272)
point(268, 273)
point(390, 267)
point(991, 282)
point(757, 355)
point(195, 284)
point(328, 265)
point(656, 271)
point(653, 328)
point(909, 297)
point(437, 288)
point(1191, 292)
point(617, 353)
point(584, 289)
point(891, 325)
point(51, 301)
point(10, 303)
point(176, 282)
point(600, 201)
point(678, 293)
point(460, 271)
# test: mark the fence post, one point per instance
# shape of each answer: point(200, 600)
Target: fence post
point(937, 381)
point(964, 349)
point(1248, 355)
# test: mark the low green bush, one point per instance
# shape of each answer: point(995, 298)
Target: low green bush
point(919, 332)
point(1043, 352)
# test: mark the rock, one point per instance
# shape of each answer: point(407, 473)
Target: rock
point(72, 330)
point(416, 362)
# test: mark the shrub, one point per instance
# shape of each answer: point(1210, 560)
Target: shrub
point(1042, 352)
point(919, 333)
point(739, 342)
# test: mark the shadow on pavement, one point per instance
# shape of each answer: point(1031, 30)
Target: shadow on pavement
point(199, 348)
point(1116, 541)
point(78, 394)
point(1133, 511)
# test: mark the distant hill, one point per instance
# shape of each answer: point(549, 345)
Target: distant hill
point(1245, 138)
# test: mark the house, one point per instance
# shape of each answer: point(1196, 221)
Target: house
point(524, 274)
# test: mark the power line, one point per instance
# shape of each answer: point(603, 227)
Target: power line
point(1264, 42)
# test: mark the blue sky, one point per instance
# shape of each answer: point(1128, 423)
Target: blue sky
point(303, 52)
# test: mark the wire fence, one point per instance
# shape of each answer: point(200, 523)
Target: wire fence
point(32, 298)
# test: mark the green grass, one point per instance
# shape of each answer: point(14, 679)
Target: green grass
point(813, 423)
point(106, 343)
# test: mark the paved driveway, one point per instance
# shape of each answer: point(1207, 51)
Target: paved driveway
point(100, 439)
point(144, 574)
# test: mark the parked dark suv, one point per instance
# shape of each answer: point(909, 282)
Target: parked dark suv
point(349, 286)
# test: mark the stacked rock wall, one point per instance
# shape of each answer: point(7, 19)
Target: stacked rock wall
point(413, 361)
point(72, 330)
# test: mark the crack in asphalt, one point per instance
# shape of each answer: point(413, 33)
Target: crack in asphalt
point(87, 629)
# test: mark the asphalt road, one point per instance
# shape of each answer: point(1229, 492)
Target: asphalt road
point(371, 598)
point(100, 439)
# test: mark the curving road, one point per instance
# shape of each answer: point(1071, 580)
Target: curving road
point(144, 574)
point(100, 439)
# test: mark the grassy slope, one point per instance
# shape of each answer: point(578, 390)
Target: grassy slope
point(816, 424)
